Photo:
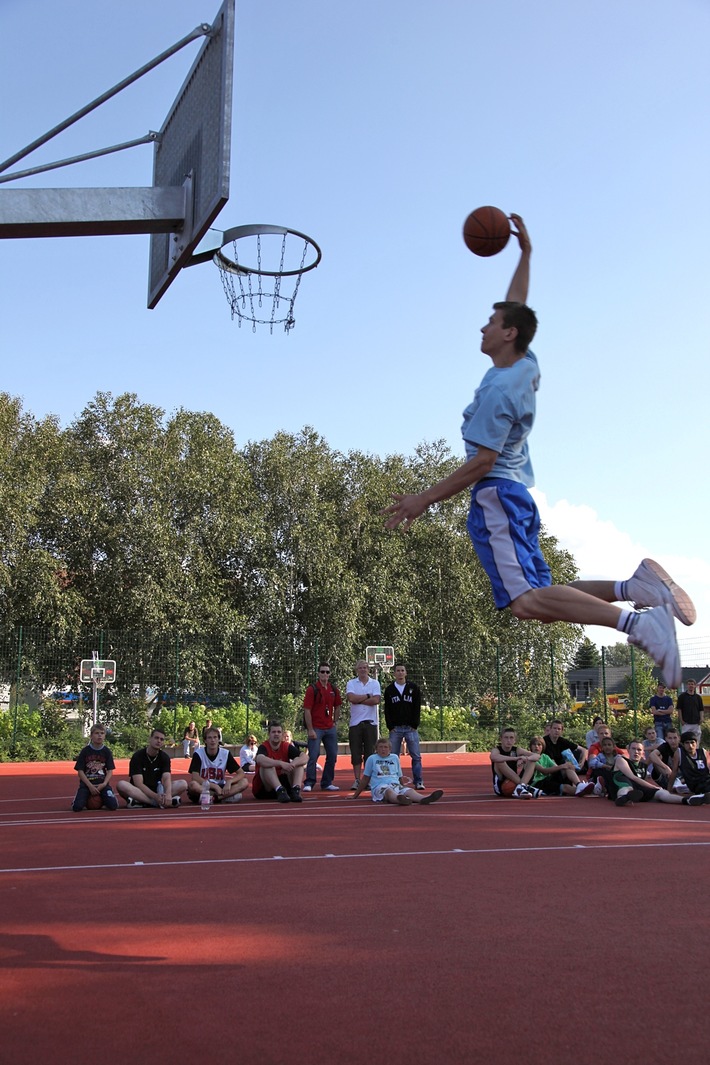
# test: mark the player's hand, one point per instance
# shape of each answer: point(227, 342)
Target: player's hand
point(521, 233)
point(405, 510)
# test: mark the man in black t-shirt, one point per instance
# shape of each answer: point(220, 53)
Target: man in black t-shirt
point(694, 766)
point(665, 760)
point(556, 744)
point(150, 782)
point(691, 711)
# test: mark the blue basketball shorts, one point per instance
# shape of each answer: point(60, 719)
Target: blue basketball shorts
point(504, 526)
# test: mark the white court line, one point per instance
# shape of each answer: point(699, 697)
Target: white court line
point(349, 857)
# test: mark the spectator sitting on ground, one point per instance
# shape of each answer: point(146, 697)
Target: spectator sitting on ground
point(383, 775)
point(650, 744)
point(209, 725)
point(247, 754)
point(95, 766)
point(216, 766)
point(694, 766)
point(631, 786)
point(603, 770)
point(552, 778)
point(665, 762)
point(593, 734)
point(150, 781)
point(513, 768)
point(594, 751)
point(280, 768)
point(562, 750)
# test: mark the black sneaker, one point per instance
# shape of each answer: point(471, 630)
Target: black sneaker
point(296, 794)
point(282, 795)
point(695, 800)
point(434, 797)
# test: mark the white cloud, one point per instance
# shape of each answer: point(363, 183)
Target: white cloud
point(603, 551)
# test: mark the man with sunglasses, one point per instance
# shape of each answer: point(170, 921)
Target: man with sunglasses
point(321, 710)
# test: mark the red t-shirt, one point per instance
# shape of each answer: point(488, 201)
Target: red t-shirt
point(322, 703)
point(284, 753)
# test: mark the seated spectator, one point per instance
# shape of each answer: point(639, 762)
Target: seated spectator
point(247, 754)
point(280, 768)
point(630, 784)
point(694, 766)
point(513, 768)
point(150, 781)
point(561, 750)
point(650, 744)
point(383, 775)
point(593, 734)
point(553, 779)
point(603, 765)
point(95, 767)
point(209, 725)
point(665, 762)
point(190, 740)
point(215, 766)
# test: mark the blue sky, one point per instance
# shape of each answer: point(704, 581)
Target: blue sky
point(376, 128)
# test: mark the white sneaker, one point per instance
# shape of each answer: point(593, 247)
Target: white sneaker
point(654, 632)
point(307, 787)
point(652, 586)
point(331, 787)
point(521, 792)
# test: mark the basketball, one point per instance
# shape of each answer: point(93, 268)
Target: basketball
point(507, 787)
point(486, 231)
point(93, 802)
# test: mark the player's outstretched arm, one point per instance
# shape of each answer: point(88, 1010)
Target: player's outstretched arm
point(407, 508)
point(520, 282)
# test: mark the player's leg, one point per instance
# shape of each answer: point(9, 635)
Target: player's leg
point(129, 791)
point(412, 737)
point(425, 800)
point(355, 740)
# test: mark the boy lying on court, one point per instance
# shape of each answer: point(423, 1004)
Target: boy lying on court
point(385, 772)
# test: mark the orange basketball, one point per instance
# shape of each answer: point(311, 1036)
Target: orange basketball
point(486, 231)
point(507, 787)
point(93, 802)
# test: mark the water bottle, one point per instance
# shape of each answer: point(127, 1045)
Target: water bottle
point(160, 791)
point(205, 797)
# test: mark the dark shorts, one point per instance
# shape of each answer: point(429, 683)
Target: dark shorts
point(362, 739)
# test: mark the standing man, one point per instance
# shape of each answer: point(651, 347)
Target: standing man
point(690, 711)
point(403, 707)
point(321, 710)
point(661, 706)
point(363, 693)
point(503, 520)
point(150, 781)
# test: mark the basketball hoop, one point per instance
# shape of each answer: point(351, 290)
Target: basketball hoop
point(253, 271)
point(99, 678)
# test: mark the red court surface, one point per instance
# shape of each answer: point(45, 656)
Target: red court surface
point(474, 930)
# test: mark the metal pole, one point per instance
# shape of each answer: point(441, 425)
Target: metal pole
point(498, 689)
point(633, 691)
point(606, 703)
point(17, 685)
point(441, 690)
point(177, 674)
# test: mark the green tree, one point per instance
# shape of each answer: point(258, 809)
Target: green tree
point(586, 655)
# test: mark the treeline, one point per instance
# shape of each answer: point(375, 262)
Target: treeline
point(134, 521)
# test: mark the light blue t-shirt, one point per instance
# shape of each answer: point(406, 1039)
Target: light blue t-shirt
point(383, 770)
point(501, 418)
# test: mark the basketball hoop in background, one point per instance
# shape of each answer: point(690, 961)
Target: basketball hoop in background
point(261, 269)
point(380, 657)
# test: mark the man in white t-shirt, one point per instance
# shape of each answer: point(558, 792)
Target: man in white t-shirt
point(363, 693)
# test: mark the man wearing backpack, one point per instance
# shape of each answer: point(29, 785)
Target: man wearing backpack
point(321, 710)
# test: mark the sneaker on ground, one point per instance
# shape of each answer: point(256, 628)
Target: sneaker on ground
point(234, 798)
point(404, 800)
point(133, 804)
point(434, 797)
point(308, 787)
point(328, 787)
point(283, 796)
point(535, 793)
point(521, 792)
point(355, 786)
point(296, 794)
point(584, 787)
point(652, 586)
point(175, 800)
point(654, 632)
point(598, 789)
point(696, 800)
point(420, 786)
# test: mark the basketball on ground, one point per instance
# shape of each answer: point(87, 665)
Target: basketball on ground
point(486, 231)
point(507, 787)
point(93, 802)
